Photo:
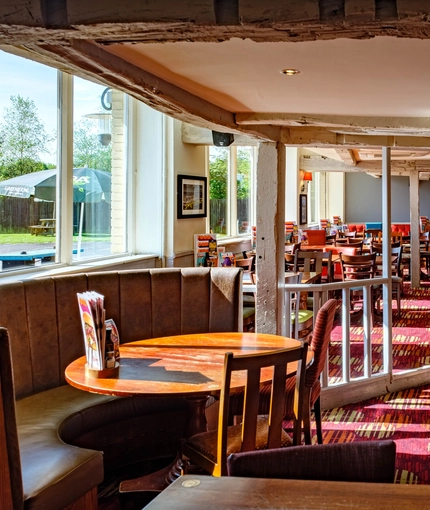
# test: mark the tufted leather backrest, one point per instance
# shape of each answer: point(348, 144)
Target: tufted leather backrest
point(44, 325)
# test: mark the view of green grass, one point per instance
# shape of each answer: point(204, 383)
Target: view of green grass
point(42, 239)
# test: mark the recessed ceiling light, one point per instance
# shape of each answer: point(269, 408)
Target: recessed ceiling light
point(290, 72)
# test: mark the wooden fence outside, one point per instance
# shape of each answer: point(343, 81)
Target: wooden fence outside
point(218, 214)
point(17, 214)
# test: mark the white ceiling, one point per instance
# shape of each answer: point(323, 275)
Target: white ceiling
point(374, 86)
point(384, 76)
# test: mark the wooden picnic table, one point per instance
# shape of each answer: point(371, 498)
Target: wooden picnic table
point(46, 226)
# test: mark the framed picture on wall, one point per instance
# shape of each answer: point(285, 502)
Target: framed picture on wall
point(192, 196)
point(303, 209)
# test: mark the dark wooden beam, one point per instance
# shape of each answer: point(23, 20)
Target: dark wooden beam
point(107, 21)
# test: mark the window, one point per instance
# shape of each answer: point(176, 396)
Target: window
point(98, 179)
point(33, 162)
point(313, 186)
point(231, 178)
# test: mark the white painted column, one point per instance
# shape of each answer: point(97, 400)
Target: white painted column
point(270, 237)
point(414, 200)
point(386, 258)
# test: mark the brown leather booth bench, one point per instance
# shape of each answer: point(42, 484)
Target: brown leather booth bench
point(67, 437)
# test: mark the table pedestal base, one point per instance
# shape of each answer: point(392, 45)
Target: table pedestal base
point(158, 481)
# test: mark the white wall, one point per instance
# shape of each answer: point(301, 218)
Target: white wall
point(146, 184)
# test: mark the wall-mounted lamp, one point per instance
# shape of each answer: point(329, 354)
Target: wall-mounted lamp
point(306, 177)
point(104, 118)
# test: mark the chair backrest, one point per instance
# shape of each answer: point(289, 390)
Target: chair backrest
point(292, 247)
point(351, 234)
point(246, 264)
point(312, 261)
point(320, 341)
point(396, 237)
point(290, 250)
point(358, 267)
point(292, 305)
point(316, 237)
point(371, 233)
point(362, 461)
point(253, 365)
point(396, 260)
point(11, 491)
point(330, 238)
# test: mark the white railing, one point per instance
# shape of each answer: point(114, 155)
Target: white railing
point(321, 293)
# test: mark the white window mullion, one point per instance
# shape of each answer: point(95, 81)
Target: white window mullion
point(232, 199)
point(64, 209)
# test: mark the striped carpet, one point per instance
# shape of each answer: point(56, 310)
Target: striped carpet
point(402, 416)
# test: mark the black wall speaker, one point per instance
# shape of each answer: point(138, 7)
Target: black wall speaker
point(222, 139)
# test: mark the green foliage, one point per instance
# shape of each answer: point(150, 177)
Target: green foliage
point(22, 139)
point(243, 172)
point(218, 173)
point(218, 165)
point(87, 150)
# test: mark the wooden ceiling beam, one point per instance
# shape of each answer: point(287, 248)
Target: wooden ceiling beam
point(50, 21)
point(347, 156)
point(317, 163)
point(313, 137)
point(91, 60)
point(416, 126)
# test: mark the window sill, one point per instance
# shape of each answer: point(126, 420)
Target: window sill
point(82, 267)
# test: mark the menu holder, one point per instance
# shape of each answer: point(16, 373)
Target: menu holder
point(101, 337)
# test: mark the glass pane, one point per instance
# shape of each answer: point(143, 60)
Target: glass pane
point(218, 189)
point(244, 172)
point(28, 144)
point(312, 200)
point(99, 204)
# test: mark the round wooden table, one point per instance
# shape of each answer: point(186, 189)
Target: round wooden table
point(188, 366)
point(181, 366)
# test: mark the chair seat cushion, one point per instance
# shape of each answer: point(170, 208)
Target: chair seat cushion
point(248, 311)
point(248, 300)
point(304, 316)
point(206, 442)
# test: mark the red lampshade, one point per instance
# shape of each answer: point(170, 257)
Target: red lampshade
point(307, 176)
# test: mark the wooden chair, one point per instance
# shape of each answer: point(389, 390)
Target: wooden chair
point(371, 234)
point(396, 237)
point(330, 238)
point(357, 242)
point(351, 234)
point(290, 250)
point(11, 488)
point(210, 450)
point(319, 344)
point(301, 319)
point(249, 298)
point(360, 267)
point(246, 264)
point(396, 270)
point(341, 241)
point(318, 261)
point(361, 461)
